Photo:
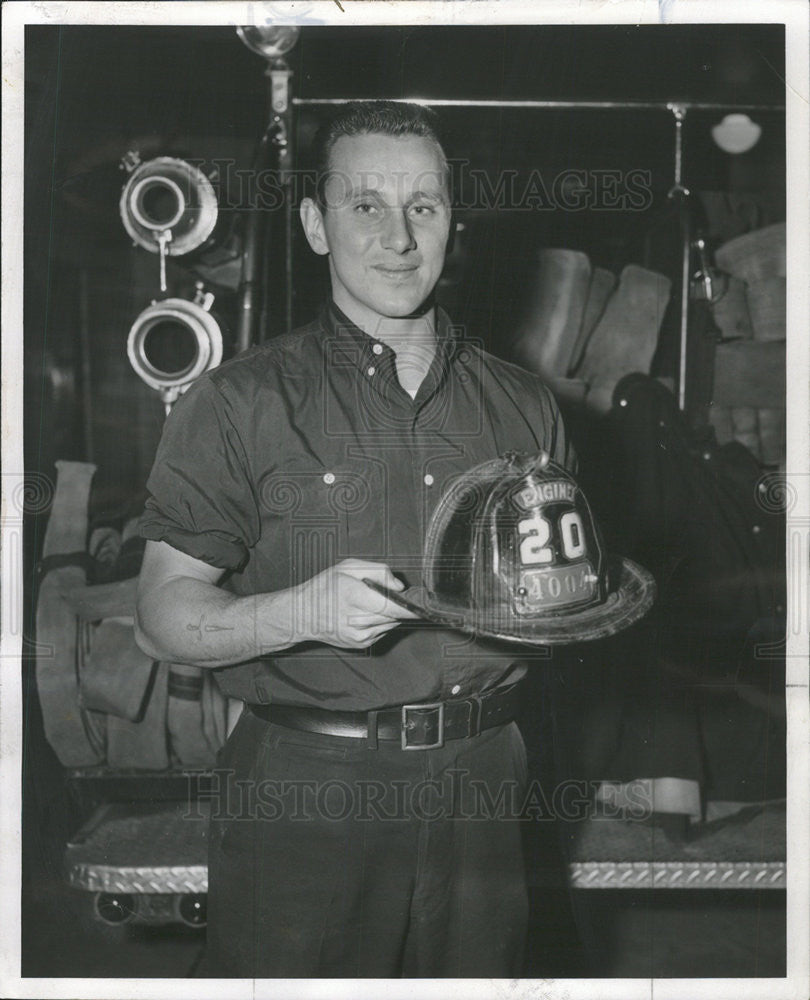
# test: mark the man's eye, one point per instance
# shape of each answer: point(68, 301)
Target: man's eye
point(422, 210)
point(365, 208)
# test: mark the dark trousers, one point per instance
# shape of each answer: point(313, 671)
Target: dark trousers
point(332, 859)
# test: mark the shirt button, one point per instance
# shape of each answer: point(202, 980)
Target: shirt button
point(428, 480)
point(371, 370)
point(329, 478)
point(455, 689)
point(377, 348)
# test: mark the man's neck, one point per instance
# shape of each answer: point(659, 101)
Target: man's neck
point(411, 338)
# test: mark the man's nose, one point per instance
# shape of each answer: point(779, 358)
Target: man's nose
point(397, 235)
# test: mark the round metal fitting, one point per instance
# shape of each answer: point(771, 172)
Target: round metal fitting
point(173, 342)
point(168, 196)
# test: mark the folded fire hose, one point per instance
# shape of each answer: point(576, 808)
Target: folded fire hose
point(103, 700)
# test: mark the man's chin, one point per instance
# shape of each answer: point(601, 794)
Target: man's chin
point(398, 309)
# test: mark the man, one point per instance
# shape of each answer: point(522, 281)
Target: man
point(286, 477)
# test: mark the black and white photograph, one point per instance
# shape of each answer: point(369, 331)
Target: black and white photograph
point(405, 500)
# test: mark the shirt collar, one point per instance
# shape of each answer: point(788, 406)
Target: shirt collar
point(339, 327)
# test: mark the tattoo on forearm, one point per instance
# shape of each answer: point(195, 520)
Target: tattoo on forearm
point(199, 628)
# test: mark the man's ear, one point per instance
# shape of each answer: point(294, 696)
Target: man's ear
point(312, 221)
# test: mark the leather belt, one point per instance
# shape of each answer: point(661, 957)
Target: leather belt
point(420, 726)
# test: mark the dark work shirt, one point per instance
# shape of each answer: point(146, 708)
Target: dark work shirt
point(307, 451)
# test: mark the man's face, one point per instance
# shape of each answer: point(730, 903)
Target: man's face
point(386, 224)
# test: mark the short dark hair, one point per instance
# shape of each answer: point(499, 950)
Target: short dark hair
point(394, 118)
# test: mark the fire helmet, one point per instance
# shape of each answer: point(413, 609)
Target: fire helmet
point(514, 552)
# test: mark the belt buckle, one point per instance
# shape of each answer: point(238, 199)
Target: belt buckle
point(423, 707)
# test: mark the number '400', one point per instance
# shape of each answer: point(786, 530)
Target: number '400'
point(534, 548)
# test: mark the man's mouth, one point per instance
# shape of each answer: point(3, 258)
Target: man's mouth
point(395, 270)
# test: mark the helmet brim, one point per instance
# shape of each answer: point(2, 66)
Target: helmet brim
point(627, 603)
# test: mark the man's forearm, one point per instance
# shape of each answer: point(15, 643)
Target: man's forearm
point(190, 621)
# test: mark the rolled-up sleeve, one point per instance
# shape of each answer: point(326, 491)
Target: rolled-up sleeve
point(201, 496)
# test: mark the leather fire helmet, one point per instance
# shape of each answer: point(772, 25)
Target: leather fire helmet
point(514, 552)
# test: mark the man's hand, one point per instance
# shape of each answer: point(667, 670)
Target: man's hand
point(337, 608)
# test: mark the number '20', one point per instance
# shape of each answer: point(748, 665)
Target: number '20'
point(534, 548)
